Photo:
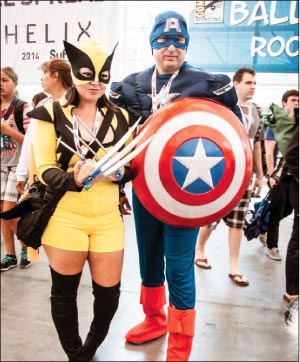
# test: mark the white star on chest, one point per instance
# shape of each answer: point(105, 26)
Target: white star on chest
point(199, 166)
point(160, 97)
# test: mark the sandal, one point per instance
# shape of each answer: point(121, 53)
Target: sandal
point(289, 298)
point(202, 263)
point(238, 279)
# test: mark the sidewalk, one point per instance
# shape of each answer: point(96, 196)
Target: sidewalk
point(233, 323)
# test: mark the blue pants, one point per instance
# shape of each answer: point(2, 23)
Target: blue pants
point(159, 242)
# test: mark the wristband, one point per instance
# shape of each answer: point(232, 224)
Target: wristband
point(122, 193)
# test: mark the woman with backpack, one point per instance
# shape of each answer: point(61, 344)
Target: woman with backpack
point(14, 123)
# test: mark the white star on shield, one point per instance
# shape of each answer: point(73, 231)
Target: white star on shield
point(199, 166)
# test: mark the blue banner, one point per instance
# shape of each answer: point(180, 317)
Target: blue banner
point(227, 35)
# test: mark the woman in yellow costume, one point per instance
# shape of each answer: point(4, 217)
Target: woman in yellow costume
point(87, 224)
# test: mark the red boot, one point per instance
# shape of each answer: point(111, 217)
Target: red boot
point(155, 324)
point(181, 326)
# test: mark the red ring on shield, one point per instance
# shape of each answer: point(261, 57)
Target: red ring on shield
point(154, 181)
point(165, 166)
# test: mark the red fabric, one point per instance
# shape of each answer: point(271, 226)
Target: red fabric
point(181, 321)
point(179, 347)
point(181, 326)
point(155, 323)
point(154, 297)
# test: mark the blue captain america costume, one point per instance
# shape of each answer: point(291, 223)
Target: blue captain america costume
point(134, 92)
point(167, 251)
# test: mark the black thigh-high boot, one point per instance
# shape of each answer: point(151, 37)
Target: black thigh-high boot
point(65, 314)
point(105, 305)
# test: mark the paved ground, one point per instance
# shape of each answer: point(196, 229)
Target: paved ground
point(233, 323)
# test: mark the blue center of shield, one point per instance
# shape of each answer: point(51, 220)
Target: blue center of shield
point(198, 165)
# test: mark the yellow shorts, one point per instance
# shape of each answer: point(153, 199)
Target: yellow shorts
point(89, 220)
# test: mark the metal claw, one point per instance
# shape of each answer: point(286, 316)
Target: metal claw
point(111, 152)
point(116, 166)
point(91, 134)
point(71, 149)
point(119, 155)
point(116, 162)
point(83, 142)
point(128, 158)
point(117, 172)
point(83, 159)
point(119, 144)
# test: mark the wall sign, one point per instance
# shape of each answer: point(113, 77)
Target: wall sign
point(32, 32)
point(226, 35)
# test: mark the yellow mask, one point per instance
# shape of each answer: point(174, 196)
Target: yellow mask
point(90, 62)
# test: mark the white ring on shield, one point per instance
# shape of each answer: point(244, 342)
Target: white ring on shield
point(156, 146)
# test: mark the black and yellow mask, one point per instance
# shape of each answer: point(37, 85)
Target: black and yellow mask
point(90, 62)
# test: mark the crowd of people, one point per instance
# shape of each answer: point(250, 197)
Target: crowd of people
point(244, 82)
point(74, 93)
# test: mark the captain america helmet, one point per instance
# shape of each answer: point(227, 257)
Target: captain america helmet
point(169, 24)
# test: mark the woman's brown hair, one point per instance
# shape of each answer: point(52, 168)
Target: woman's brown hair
point(9, 71)
point(62, 68)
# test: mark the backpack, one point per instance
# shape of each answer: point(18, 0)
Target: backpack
point(18, 114)
point(259, 220)
point(34, 212)
point(282, 125)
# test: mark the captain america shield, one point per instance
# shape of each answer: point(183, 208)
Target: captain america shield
point(197, 166)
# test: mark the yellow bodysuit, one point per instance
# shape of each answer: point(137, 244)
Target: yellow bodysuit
point(84, 220)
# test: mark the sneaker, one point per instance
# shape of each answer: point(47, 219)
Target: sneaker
point(8, 262)
point(24, 262)
point(273, 253)
point(263, 238)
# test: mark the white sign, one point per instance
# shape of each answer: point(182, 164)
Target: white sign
point(33, 31)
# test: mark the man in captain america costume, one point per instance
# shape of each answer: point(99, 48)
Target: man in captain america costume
point(166, 252)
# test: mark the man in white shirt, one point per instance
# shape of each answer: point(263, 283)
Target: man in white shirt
point(244, 82)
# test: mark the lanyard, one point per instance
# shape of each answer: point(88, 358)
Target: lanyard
point(81, 151)
point(248, 118)
point(159, 100)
